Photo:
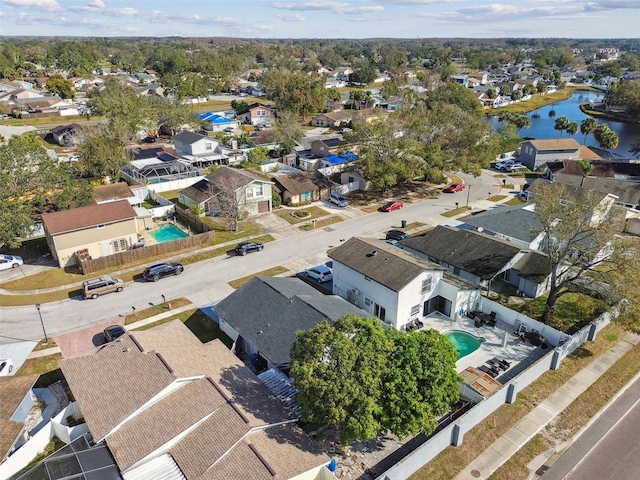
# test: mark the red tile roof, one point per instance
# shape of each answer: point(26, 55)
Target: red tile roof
point(90, 216)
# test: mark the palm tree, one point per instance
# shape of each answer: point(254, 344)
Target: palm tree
point(561, 124)
point(606, 138)
point(588, 126)
point(573, 128)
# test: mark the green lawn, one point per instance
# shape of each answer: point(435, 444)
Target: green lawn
point(289, 215)
point(271, 272)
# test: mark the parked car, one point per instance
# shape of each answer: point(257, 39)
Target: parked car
point(99, 286)
point(229, 130)
point(454, 187)
point(515, 167)
point(503, 164)
point(10, 261)
point(395, 243)
point(159, 270)
point(248, 247)
point(391, 206)
point(6, 367)
point(338, 199)
point(396, 235)
point(321, 273)
point(113, 332)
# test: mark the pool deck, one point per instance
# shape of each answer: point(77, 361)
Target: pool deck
point(520, 354)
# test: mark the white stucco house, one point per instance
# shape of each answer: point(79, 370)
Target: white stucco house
point(396, 286)
point(189, 143)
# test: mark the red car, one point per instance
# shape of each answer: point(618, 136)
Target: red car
point(391, 206)
point(454, 187)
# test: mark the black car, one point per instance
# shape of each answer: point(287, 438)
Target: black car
point(159, 270)
point(113, 332)
point(248, 247)
point(396, 235)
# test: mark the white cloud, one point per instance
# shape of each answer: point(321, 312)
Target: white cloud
point(335, 7)
point(96, 4)
point(294, 17)
point(47, 5)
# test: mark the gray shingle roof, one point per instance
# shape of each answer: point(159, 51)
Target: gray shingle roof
point(511, 221)
point(533, 266)
point(302, 182)
point(188, 138)
point(390, 266)
point(472, 252)
point(199, 192)
point(278, 308)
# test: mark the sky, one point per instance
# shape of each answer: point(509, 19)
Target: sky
point(322, 19)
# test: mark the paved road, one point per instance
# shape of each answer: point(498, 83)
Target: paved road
point(208, 279)
point(609, 449)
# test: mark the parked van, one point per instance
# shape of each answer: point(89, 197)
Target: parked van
point(99, 286)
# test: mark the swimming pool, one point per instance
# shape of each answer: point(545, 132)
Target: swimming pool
point(464, 342)
point(168, 233)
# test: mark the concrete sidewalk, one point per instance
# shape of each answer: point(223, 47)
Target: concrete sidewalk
point(507, 445)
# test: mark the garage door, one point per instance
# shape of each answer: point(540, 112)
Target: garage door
point(263, 207)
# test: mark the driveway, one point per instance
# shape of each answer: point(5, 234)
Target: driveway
point(84, 342)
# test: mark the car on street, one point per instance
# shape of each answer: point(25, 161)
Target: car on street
point(113, 332)
point(454, 187)
point(391, 206)
point(10, 261)
point(6, 367)
point(515, 167)
point(100, 286)
point(159, 270)
point(248, 247)
point(320, 273)
point(338, 199)
point(396, 235)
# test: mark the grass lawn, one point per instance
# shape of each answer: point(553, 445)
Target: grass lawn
point(314, 212)
point(40, 365)
point(496, 198)
point(451, 461)
point(200, 324)
point(271, 272)
point(321, 223)
point(155, 310)
point(538, 101)
point(455, 211)
point(514, 201)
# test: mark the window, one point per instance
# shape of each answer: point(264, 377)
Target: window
point(123, 244)
point(258, 190)
point(426, 286)
point(115, 246)
point(208, 146)
point(367, 302)
point(415, 310)
point(249, 192)
point(305, 197)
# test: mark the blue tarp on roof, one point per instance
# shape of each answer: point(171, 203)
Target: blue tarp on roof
point(337, 160)
point(213, 118)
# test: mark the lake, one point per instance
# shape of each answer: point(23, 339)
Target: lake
point(542, 128)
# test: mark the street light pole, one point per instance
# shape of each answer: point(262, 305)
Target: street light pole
point(46, 339)
point(468, 192)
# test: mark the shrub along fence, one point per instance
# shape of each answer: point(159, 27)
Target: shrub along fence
point(186, 217)
point(139, 254)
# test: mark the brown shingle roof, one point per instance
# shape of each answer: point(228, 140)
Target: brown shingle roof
point(562, 143)
point(113, 191)
point(113, 383)
point(390, 266)
point(299, 183)
point(234, 176)
point(90, 216)
point(240, 464)
point(12, 392)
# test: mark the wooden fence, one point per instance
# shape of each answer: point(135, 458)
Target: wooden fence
point(140, 254)
point(186, 217)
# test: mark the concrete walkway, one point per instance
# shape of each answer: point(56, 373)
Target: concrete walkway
point(507, 445)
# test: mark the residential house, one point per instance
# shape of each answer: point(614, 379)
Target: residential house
point(159, 164)
point(194, 144)
point(395, 285)
point(279, 308)
point(14, 95)
point(334, 119)
point(621, 179)
point(114, 192)
point(255, 114)
point(215, 122)
point(152, 89)
point(535, 154)
point(16, 401)
point(168, 406)
point(67, 135)
point(482, 259)
point(301, 188)
point(252, 192)
point(92, 231)
point(323, 147)
point(354, 181)
point(461, 79)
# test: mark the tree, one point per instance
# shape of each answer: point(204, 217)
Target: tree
point(455, 94)
point(516, 95)
point(363, 74)
point(579, 239)
point(587, 166)
point(60, 86)
point(587, 126)
point(31, 183)
point(256, 156)
point(606, 138)
point(239, 105)
point(518, 120)
point(102, 154)
point(227, 194)
point(286, 131)
point(573, 128)
point(364, 379)
point(295, 92)
point(562, 123)
point(635, 147)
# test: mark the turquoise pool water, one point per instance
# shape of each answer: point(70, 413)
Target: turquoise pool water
point(464, 342)
point(168, 233)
